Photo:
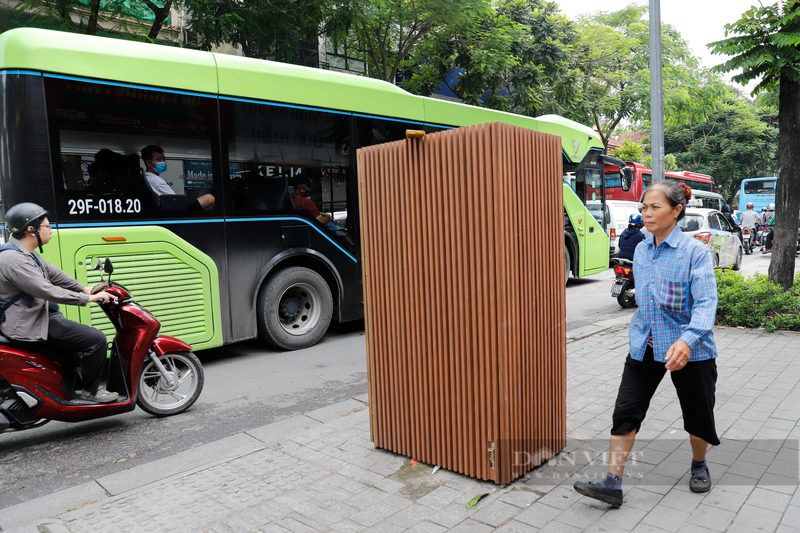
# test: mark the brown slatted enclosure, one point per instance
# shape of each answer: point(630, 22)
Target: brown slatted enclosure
point(462, 242)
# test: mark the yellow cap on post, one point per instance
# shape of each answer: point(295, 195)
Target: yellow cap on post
point(414, 134)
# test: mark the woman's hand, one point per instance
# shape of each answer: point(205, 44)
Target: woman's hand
point(87, 290)
point(677, 355)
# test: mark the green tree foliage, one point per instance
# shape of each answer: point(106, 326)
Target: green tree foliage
point(129, 19)
point(615, 53)
point(386, 32)
point(765, 46)
point(733, 142)
point(274, 29)
point(517, 56)
point(629, 151)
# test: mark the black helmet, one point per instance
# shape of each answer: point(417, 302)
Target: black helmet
point(19, 217)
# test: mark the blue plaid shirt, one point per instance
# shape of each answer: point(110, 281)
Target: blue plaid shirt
point(676, 292)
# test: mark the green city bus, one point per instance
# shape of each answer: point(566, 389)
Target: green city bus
point(76, 110)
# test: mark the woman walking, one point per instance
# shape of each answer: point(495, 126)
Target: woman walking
point(672, 330)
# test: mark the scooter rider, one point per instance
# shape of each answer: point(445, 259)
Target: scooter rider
point(631, 237)
point(30, 290)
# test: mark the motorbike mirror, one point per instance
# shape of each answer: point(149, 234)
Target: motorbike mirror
point(97, 264)
point(108, 268)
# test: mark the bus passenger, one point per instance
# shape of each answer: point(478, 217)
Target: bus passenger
point(156, 163)
point(302, 202)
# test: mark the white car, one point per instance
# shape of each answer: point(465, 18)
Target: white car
point(616, 219)
point(710, 227)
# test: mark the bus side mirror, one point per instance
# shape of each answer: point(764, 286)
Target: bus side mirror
point(626, 178)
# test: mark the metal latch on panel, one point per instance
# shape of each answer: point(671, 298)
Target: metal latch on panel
point(491, 455)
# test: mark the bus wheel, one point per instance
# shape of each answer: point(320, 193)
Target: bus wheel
point(566, 265)
point(294, 308)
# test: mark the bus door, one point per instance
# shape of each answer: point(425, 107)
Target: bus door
point(593, 244)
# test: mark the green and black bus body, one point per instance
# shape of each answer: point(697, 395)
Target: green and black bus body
point(75, 112)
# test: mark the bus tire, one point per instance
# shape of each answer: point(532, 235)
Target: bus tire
point(567, 264)
point(295, 307)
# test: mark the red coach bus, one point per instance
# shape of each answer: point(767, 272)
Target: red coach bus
point(642, 178)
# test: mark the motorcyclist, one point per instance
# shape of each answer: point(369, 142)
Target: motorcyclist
point(631, 237)
point(726, 214)
point(30, 291)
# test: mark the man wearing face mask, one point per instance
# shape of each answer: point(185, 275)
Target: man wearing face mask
point(156, 163)
point(302, 202)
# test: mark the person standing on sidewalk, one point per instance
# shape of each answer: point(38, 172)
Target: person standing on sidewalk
point(672, 330)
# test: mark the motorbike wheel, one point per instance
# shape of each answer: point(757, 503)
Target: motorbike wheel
point(626, 300)
point(157, 397)
point(748, 246)
point(295, 308)
point(737, 265)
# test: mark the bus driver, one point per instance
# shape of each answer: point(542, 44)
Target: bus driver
point(156, 163)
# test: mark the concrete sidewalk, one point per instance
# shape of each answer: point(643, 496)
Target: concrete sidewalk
point(319, 471)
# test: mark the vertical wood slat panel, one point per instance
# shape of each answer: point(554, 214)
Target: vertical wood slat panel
point(465, 325)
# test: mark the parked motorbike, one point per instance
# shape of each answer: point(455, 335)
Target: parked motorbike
point(623, 288)
point(159, 374)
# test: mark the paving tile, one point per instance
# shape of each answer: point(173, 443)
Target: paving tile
point(520, 498)
point(558, 527)
point(682, 500)
point(451, 515)
point(495, 514)
point(439, 498)
point(711, 518)
point(583, 513)
point(560, 498)
point(751, 518)
point(769, 499)
point(471, 526)
point(538, 515)
point(791, 517)
point(410, 516)
point(514, 526)
point(665, 518)
point(373, 514)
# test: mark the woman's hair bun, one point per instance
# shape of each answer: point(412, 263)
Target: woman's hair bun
point(687, 191)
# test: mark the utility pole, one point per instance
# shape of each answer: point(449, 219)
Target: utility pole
point(656, 93)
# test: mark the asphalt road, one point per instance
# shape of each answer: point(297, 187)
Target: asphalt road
point(247, 385)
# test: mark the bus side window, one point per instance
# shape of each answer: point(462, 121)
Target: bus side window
point(269, 145)
point(99, 132)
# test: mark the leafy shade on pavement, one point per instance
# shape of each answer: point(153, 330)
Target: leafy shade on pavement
point(756, 302)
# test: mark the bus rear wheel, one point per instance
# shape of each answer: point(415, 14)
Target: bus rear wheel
point(295, 307)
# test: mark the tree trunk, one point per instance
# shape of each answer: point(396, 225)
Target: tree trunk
point(94, 14)
point(160, 13)
point(787, 192)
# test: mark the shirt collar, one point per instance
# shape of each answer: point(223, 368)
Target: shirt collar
point(15, 242)
point(671, 240)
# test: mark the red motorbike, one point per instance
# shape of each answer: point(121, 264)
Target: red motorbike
point(159, 374)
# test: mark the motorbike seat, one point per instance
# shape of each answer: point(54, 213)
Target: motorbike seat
point(65, 357)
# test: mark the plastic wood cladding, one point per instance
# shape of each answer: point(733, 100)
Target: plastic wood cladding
point(465, 304)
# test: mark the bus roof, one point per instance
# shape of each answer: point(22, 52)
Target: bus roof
point(72, 54)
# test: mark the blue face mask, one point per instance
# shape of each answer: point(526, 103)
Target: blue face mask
point(161, 167)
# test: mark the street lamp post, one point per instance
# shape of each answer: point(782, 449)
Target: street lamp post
point(656, 93)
